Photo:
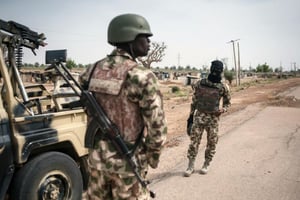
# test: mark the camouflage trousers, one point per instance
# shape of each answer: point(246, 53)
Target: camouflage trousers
point(209, 123)
point(105, 185)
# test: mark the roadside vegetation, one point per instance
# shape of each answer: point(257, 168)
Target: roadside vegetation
point(170, 73)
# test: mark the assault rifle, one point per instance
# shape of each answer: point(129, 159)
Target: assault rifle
point(189, 125)
point(100, 121)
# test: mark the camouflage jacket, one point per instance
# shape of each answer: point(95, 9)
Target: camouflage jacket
point(220, 90)
point(130, 96)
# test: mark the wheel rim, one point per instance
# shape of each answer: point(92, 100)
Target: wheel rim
point(55, 186)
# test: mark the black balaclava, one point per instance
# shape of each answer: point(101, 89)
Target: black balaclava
point(216, 70)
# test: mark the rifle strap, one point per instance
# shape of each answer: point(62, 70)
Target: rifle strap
point(137, 142)
point(91, 74)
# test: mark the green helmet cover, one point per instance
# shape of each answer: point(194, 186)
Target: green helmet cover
point(125, 28)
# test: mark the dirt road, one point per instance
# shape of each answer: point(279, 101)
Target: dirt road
point(247, 102)
point(257, 160)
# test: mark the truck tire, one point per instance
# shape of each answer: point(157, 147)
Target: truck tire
point(50, 176)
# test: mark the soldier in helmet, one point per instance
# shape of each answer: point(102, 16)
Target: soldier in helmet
point(206, 111)
point(131, 98)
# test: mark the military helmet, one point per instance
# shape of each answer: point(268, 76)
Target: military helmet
point(216, 67)
point(125, 28)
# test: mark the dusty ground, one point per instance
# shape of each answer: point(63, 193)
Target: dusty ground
point(247, 100)
point(256, 158)
point(265, 91)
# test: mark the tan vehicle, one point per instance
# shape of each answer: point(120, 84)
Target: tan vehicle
point(42, 151)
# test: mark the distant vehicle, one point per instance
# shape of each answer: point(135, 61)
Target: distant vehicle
point(203, 75)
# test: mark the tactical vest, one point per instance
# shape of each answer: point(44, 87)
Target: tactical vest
point(107, 84)
point(208, 98)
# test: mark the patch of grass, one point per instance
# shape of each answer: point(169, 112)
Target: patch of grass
point(256, 82)
point(175, 89)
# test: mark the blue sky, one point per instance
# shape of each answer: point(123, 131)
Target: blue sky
point(195, 31)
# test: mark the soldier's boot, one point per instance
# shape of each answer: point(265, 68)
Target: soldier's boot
point(204, 168)
point(188, 172)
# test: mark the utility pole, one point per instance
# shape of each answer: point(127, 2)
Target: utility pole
point(178, 60)
point(239, 63)
point(295, 68)
point(280, 70)
point(234, 59)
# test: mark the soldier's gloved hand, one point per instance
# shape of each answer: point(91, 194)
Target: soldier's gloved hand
point(153, 159)
point(221, 111)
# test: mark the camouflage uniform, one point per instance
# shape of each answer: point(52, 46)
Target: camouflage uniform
point(130, 96)
point(207, 119)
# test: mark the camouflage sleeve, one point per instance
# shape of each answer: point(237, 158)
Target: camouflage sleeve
point(193, 105)
point(84, 76)
point(194, 100)
point(143, 88)
point(226, 97)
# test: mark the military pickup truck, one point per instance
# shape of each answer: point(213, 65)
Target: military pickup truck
point(42, 151)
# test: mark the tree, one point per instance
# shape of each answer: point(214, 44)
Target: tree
point(80, 65)
point(277, 69)
point(188, 67)
point(36, 64)
point(180, 68)
point(173, 67)
point(228, 76)
point(70, 64)
point(155, 54)
point(263, 68)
